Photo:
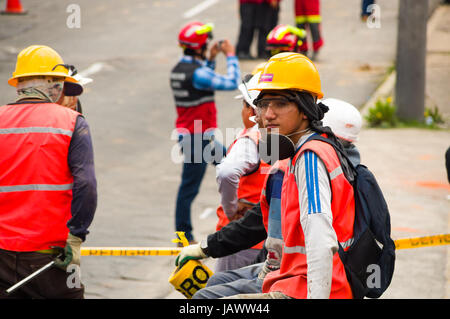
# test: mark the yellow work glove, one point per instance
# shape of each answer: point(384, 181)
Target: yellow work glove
point(72, 252)
point(188, 253)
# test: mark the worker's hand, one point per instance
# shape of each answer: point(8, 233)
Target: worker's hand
point(188, 253)
point(213, 51)
point(72, 252)
point(274, 3)
point(227, 48)
point(242, 208)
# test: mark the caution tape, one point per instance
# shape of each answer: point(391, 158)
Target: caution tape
point(405, 243)
point(435, 240)
point(130, 251)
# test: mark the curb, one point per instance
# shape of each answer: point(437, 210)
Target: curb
point(384, 90)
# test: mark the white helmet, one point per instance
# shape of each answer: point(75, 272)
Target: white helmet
point(343, 118)
point(249, 95)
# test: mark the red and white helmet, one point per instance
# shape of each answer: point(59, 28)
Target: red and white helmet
point(195, 35)
point(284, 38)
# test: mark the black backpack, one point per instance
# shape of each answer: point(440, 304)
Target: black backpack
point(369, 262)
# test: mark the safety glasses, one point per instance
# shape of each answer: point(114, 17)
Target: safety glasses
point(276, 103)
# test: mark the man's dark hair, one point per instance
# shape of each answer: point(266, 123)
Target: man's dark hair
point(194, 53)
point(315, 112)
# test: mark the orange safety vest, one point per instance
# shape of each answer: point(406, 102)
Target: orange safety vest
point(250, 185)
point(291, 278)
point(35, 179)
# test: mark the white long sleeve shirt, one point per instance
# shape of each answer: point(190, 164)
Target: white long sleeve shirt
point(242, 159)
point(316, 219)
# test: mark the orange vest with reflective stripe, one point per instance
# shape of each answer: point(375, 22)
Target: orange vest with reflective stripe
point(250, 185)
point(35, 179)
point(291, 278)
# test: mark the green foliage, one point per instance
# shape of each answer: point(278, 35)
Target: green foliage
point(433, 117)
point(382, 114)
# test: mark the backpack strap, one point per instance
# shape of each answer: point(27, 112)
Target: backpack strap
point(347, 167)
point(349, 172)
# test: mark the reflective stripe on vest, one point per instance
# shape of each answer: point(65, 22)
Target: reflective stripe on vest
point(35, 187)
point(24, 130)
point(199, 101)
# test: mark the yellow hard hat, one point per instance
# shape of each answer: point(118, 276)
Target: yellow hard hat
point(290, 71)
point(190, 277)
point(259, 68)
point(38, 60)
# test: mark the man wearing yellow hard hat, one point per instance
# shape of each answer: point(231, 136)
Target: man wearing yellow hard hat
point(317, 204)
point(313, 195)
point(48, 193)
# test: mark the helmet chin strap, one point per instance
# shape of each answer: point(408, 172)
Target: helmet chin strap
point(298, 132)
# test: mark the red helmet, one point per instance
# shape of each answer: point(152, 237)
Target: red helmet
point(194, 35)
point(284, 38)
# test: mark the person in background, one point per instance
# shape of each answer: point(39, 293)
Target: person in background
point(256, 16)
point(285, 38)
point(307, 17)
point(366, 9)
point(193, 82)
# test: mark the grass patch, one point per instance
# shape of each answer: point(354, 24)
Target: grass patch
point(383, 115)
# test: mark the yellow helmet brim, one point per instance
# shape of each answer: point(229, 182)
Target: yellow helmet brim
point(15, 79)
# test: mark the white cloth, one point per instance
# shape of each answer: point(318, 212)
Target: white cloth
point(242, 159)
point(47, 88)
point(316, 219)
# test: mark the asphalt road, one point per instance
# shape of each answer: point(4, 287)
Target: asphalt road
point(130, 48)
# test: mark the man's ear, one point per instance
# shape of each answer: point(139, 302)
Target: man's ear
point(304, 116)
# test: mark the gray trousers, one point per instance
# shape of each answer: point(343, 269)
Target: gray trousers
point(233, 282)
point(237, 260)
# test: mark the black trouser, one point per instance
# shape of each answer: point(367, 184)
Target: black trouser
point(260, 17)
point(52, 284)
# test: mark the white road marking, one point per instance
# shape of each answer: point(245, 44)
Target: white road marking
point(199, 8)
point(92, 69)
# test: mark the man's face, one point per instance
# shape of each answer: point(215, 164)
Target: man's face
point(278, 113)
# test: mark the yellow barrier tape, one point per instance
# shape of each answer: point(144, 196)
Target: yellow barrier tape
point(405, 243)
point(435, 240)
point(130, 251)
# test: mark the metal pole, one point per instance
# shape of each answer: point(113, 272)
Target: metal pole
point(411, 58)
point(28, 278)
